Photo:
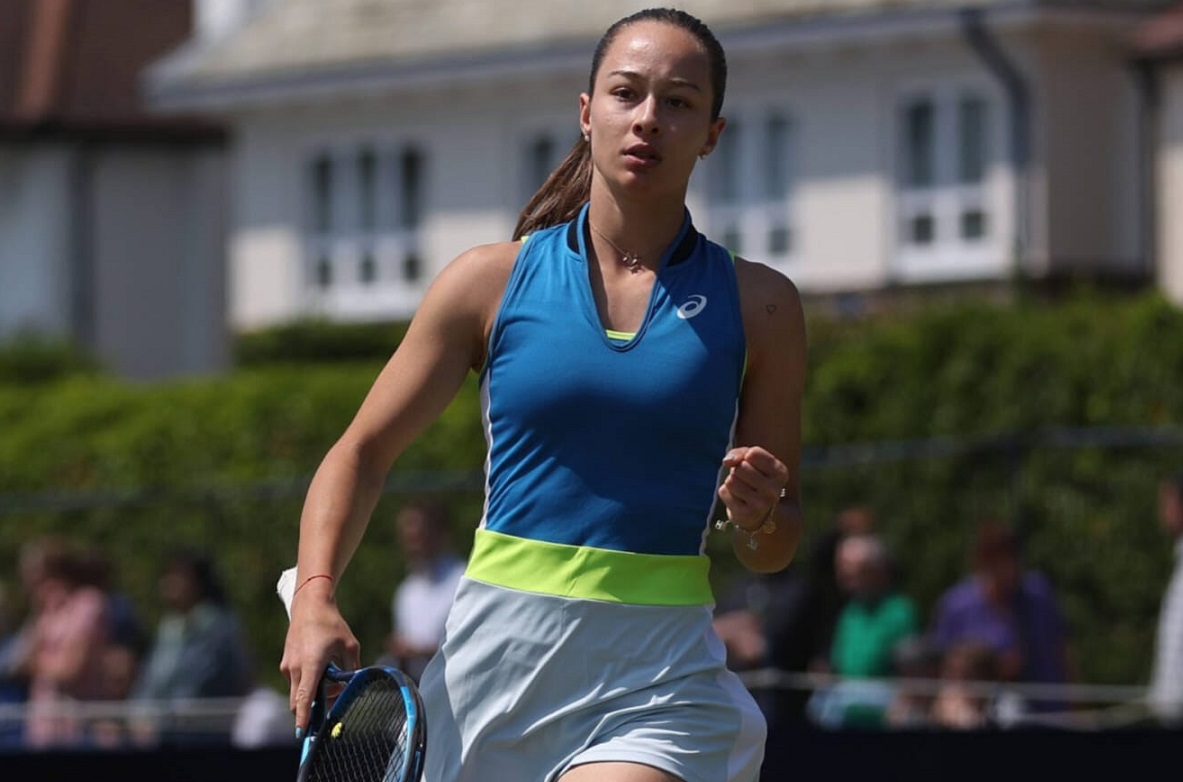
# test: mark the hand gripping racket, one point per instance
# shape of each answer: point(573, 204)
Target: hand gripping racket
point(375, 730)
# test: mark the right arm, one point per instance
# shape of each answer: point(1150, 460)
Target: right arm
point(446, 338)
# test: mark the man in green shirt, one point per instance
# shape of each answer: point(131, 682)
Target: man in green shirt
point(876, 617)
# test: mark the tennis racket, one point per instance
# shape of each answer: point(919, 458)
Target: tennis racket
point(375, 730)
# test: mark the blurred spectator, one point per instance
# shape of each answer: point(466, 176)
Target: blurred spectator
point(64, 651)
point(917, 664)
point(422, 601)
point(129, 639)
point(263, 718)
point(875, 618)
point(786, 620)
point(857, 520)
point(198, 651)
point(15, 654)
point(830, 596)
point(772, 620)
point(1011, 609)
point(958, 704)
point(1166, 679)
point(13, 686)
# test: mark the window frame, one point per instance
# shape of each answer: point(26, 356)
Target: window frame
point(364, 265)
point(948, 201)
point(742, 204)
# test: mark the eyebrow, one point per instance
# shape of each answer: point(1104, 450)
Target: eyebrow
point(679, 82)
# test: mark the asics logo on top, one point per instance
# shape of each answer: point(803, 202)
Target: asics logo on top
point(697, 304)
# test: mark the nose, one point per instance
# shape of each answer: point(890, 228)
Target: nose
point(645, 119)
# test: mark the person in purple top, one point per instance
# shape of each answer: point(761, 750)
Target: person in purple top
point(1009, 607)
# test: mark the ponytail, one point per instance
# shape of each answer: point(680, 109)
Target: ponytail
point(562, 195)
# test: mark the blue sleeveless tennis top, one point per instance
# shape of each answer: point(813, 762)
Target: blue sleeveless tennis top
point(605, 449)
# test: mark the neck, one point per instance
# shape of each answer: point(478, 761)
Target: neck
point(629, 250)
point(645, 227)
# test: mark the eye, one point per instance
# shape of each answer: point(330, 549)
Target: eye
point(623, 93)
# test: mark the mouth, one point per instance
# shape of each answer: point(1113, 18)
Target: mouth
point(643, 153)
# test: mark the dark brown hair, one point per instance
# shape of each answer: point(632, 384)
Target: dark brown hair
point(568, 187)
point(995, 540)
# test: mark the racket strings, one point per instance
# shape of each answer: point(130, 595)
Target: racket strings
point(368, 740)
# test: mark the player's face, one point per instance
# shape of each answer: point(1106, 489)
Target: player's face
point(649, 115)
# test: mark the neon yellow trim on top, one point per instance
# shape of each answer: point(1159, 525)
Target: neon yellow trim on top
point(589, 573)
point(623, 336)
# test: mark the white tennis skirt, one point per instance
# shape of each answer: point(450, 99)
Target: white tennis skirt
point(527, 685)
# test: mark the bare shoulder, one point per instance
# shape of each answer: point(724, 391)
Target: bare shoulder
point(771, 301)
point(462, 301)
point(485, 263)
point(475, 279)
point(491, 255)
point(774, 330)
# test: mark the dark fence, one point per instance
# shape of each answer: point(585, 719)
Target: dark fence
point(800, 754)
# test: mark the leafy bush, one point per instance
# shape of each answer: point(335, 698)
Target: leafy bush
point(31, 358)
point(317, 341)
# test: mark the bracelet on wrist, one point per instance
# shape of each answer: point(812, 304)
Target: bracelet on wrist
point(304, 583)
point(767, 526)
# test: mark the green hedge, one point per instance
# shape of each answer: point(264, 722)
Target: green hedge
point(33, 358)
point(223, 462)
point(315, 340)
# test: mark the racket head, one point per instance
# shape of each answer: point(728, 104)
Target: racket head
point(375, 730)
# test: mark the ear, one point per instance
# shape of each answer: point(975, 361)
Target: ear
point(713, 134)
point(584, 113)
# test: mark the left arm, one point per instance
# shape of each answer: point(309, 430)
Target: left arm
point(766, 458)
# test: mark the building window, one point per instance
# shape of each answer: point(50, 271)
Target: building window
point(539, 158)
point(322, 195)
point(366, 206)
point(367, 181)
point(324, 272)
point(367, 270)
point(971, 147)
point(946, 224)
point(920, 144)
point(412, 267)
point(750, 184)
point(410, 185)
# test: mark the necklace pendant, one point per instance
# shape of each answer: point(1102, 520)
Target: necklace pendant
point(633, 262)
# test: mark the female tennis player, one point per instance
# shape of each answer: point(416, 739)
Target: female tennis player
point(632, 373)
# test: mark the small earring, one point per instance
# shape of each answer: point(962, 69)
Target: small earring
point(587, 137)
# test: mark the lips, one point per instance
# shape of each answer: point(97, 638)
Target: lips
point(643, 153)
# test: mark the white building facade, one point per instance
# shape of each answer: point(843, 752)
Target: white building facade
point(870, 144)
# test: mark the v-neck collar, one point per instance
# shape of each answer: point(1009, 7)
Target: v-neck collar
point(578, 238)
point(679, 251)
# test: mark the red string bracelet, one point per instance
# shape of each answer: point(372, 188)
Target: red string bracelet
point(304, 583)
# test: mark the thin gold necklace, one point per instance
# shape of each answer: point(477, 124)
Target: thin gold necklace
point(632, 261)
